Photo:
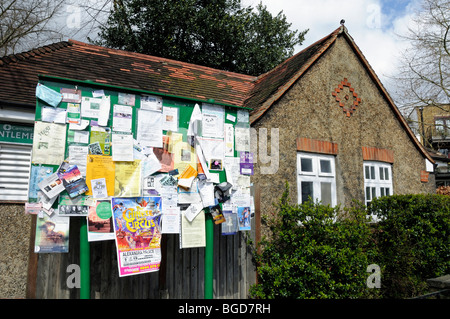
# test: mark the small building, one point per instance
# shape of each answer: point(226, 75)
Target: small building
point(433, 126)
point(341, 137)
point(321, 121)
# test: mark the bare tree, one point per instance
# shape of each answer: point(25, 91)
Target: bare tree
point(423, 78)
point(27, 23)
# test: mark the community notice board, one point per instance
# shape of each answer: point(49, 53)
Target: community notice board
point(137, 166)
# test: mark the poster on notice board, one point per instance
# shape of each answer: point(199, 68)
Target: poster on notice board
point(137, 227)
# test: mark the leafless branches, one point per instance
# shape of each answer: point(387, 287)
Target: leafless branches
point(23, 22)
point(423, 79)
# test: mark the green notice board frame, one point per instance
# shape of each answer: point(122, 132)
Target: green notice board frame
point(185, 108)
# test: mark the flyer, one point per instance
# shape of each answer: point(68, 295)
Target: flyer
point(246, 163)
point(73, 206)
point(213, 118)
point(244, 218)
point(100, 167)
point(127, 179)
point(151, 102)
point(137, 228)
point(99, 220)
point(192, 233)
point(49, 143)
point(230, 226)
point(52, 234)
point(74, 183)
point(171, 220)
point(149, 128)
point(122, 118)
point(90, 107)
point(37, 175)
point(51, 186)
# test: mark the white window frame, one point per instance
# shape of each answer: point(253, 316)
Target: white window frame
point(377, 185)
point(316, 177)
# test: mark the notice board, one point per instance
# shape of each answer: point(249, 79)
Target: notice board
point(137, 165)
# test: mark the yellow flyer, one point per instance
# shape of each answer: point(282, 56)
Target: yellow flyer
point(128, 179)
point(99, 166)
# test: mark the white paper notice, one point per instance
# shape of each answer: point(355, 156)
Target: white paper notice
point(149, 128)
point(49, 143)
point(78, 156)
point(151, 102)
point(171, 220)
point(192, 211)
point(170, 119)
point(103, 114)
point(229, 140)
point(213, 117)
point(98, 187)
point(122, 118)
point(206, 190)
point(193, 233)
point(122, 147)
point(54, 115)
point(195, 121)
point(90, 107)
point(242, 138)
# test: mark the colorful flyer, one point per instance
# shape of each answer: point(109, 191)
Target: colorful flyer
point(137, 227)
point(52, 234)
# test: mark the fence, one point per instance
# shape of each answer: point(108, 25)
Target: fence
point(181, 275)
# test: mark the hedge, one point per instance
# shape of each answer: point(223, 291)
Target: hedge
point(318, 251)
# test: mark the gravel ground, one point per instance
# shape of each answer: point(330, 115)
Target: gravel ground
point(14, 239)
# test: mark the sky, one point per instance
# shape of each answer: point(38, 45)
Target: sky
point(375, 25)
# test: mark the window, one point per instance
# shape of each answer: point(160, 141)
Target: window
point(14, 172)
point(377, 180)
point(316, 178)
point(442, 125)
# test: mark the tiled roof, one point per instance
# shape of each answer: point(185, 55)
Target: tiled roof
point(80, 61)
point(86, 62)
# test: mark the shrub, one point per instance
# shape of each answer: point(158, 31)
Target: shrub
point(413, 241)
point(317, 251)
point(314, 253)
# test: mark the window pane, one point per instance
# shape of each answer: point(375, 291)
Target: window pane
point(367, 169)
point(368, 193)
point(374, 192)
point(325, 166)
point(325, 193)
point(307, 191)
point(306, 165)
point(386, 173)
point(372, 172)
point(382, 173)
point(387, 191)
point(382, 191)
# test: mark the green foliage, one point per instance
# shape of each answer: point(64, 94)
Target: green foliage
point(215, 33)
point(314, 253)
point(413, 241)
point(317, 251)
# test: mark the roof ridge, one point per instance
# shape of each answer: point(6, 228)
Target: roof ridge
point(335, 32)
point(14, 57)
point(288, 76)
point(162, 59)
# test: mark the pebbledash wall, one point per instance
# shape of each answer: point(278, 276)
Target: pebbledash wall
point(310, 119)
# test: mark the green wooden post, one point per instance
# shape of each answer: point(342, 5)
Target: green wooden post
point(209, 255)
point(85, 280)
